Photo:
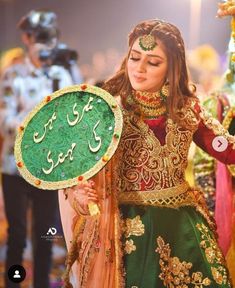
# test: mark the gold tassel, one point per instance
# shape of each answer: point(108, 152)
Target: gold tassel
point(73, 252)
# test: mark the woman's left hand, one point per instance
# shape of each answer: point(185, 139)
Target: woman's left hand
point(83, 194)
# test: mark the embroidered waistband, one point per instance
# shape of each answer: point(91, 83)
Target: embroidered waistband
point(170, 197)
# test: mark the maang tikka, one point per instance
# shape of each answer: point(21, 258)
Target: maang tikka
point(147, 42)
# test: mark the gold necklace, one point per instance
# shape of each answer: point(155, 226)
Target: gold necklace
point(150, 105)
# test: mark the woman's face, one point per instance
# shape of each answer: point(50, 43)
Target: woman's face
point(147, 69)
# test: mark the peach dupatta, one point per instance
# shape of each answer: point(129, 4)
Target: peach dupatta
point(93, 242)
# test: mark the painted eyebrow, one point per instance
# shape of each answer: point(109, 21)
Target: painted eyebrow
point(150, 55)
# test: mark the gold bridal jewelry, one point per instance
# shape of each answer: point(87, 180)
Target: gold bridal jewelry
point(147, 42)
point(151, 105)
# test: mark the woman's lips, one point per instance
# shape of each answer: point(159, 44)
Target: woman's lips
point(139, 78)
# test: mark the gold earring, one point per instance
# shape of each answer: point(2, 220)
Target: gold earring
point(164, 92)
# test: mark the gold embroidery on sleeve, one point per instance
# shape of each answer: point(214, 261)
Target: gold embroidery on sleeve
point(134, 227)
point(213, 255)
point(216, 126)
point(129, 246)
point(176, 273)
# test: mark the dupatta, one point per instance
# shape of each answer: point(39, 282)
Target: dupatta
point(93, 242)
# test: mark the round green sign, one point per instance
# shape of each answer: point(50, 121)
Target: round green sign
point(68, 137)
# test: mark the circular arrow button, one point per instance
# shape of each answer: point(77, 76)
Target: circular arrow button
point(219, 144)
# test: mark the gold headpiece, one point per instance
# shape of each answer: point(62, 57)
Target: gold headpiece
point(147, 42)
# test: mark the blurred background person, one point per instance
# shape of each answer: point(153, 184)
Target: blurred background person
point(11, 57)
point(204, 69)
point(204, 64)
point(216, 179)
point(102, 66)
point(14, 56)
point(23, 86)
point(56, 53)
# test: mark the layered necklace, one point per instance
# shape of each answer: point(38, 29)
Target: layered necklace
point(150, 104)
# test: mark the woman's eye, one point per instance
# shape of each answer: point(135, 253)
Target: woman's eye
point(134, 58)
point(154, 64)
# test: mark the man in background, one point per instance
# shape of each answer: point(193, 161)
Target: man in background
point(215, 179)
point(23, 86)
